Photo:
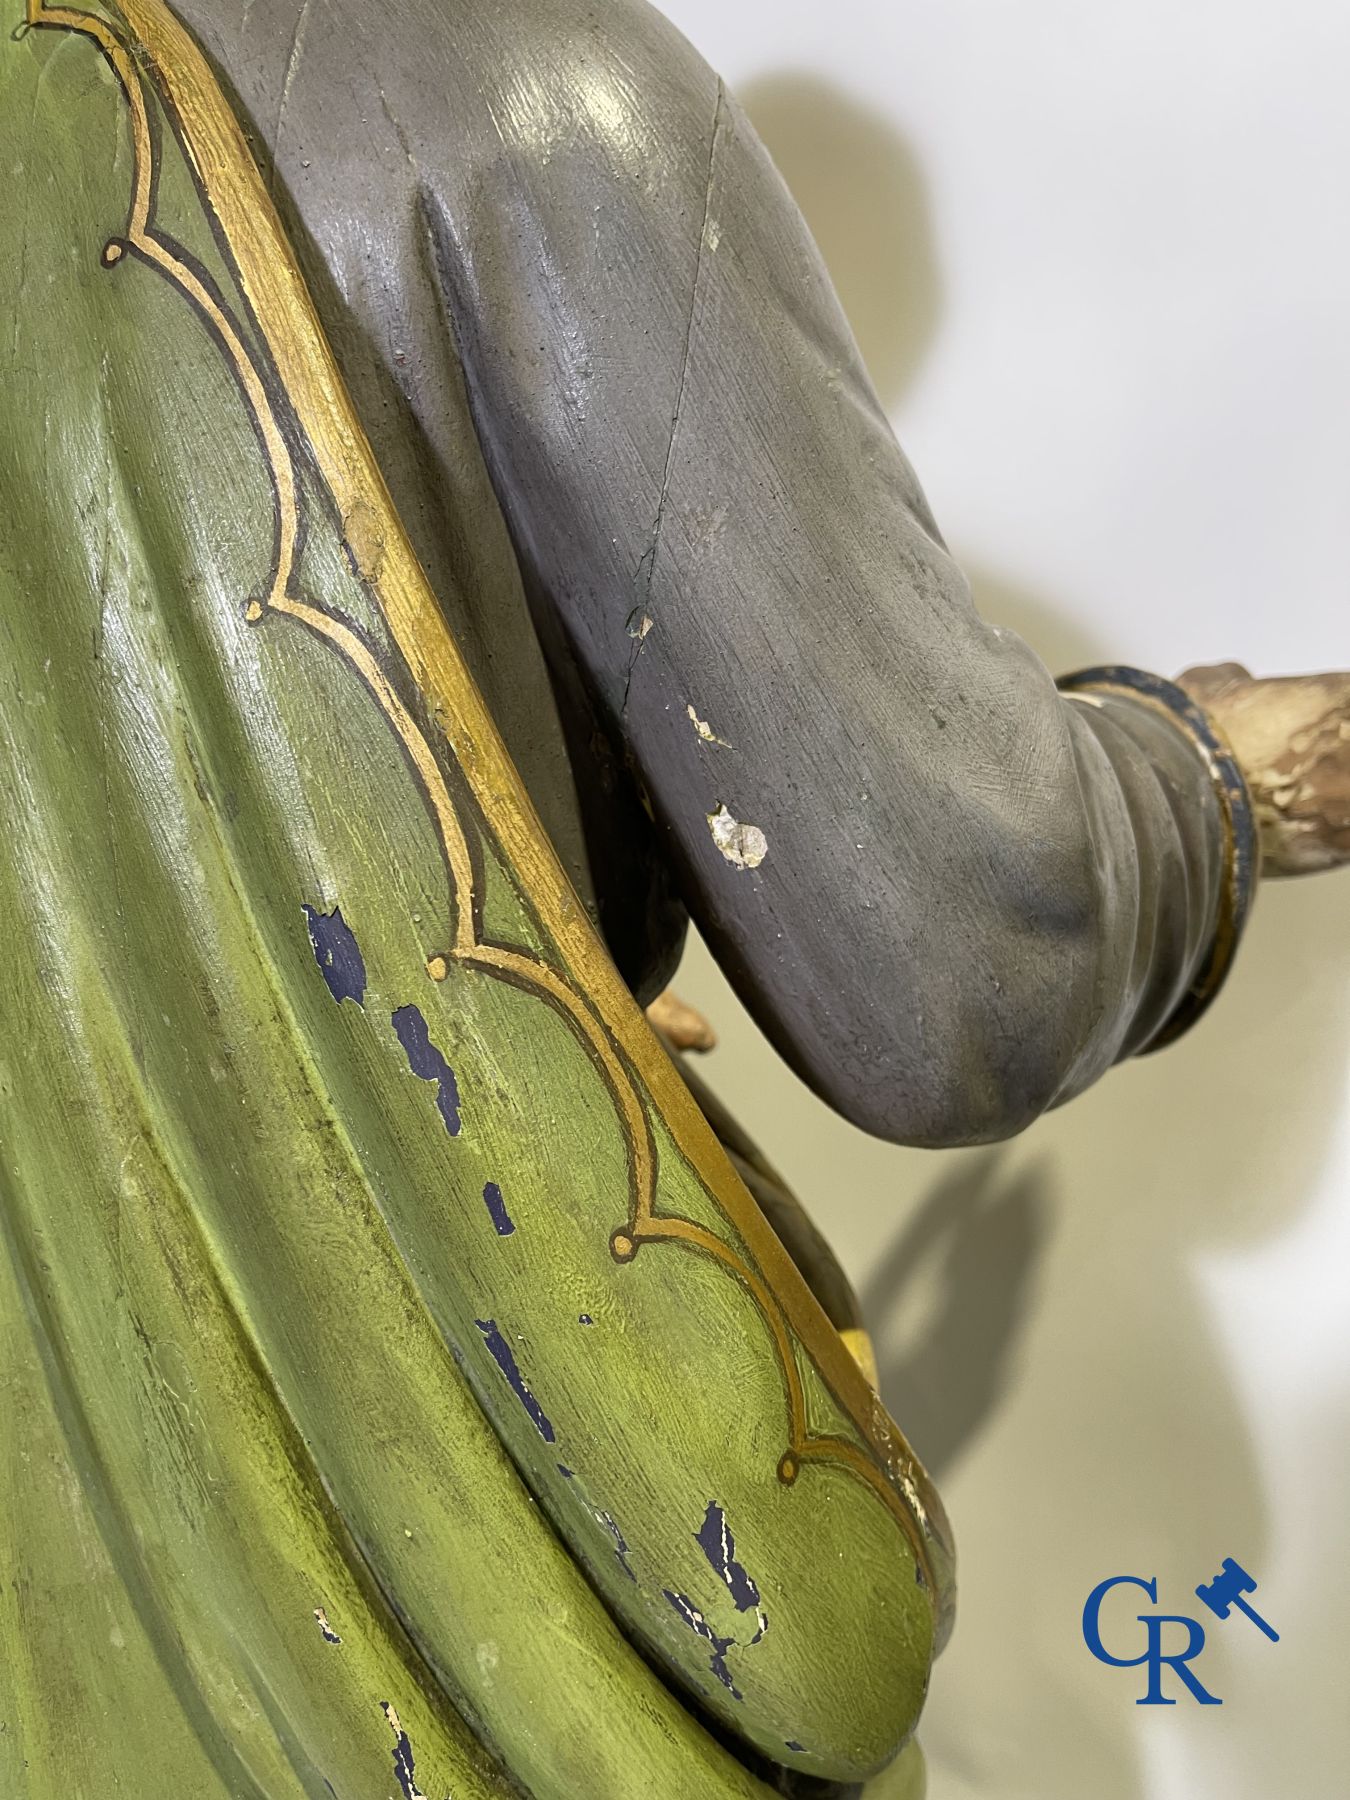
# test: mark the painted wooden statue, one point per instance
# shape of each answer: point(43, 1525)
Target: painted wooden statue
point(448, 539)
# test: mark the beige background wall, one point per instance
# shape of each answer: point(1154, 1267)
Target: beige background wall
point(1099, 263)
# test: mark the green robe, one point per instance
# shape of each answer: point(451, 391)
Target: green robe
point(400, 1392)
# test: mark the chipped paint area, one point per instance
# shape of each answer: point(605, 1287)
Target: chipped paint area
point(715, 1540)
point(329, 1635)
point(621, 1549)
point(427, 1063)
point(501, 1354)
point(696, 1622)
point(744, 846)
point(403, 1755)
point(363, 531)
point(705, 730)
point(502, 1222)
point(338, 954)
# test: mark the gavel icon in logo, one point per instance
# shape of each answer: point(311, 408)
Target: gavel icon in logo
point(1225, 1592)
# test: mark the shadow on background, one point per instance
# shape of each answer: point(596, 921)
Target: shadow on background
point(1038, 1316)
point(861, 191)
point(973, 1243)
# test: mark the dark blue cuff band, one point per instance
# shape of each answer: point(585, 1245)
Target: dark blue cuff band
point(1239, 824)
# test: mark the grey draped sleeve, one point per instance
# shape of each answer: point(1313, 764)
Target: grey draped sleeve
point(951, 896)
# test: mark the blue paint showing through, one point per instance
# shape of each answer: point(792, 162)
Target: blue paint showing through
point(611, 1525)
point(500, 1351)
point(719, 1546)
point(501, 1219)
point(426, 1061)
point(338, 954)
point(403, 1756)
point(696, 1622)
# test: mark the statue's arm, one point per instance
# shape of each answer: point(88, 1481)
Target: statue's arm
point(951, 895)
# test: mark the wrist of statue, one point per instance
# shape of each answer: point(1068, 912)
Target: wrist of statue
point(1115, 684)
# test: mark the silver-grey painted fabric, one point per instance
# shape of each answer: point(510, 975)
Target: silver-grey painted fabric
point(628, 428)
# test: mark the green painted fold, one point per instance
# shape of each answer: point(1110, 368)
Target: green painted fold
point(311, 1328)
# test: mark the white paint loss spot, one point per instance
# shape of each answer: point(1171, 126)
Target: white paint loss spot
point(744, 846)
